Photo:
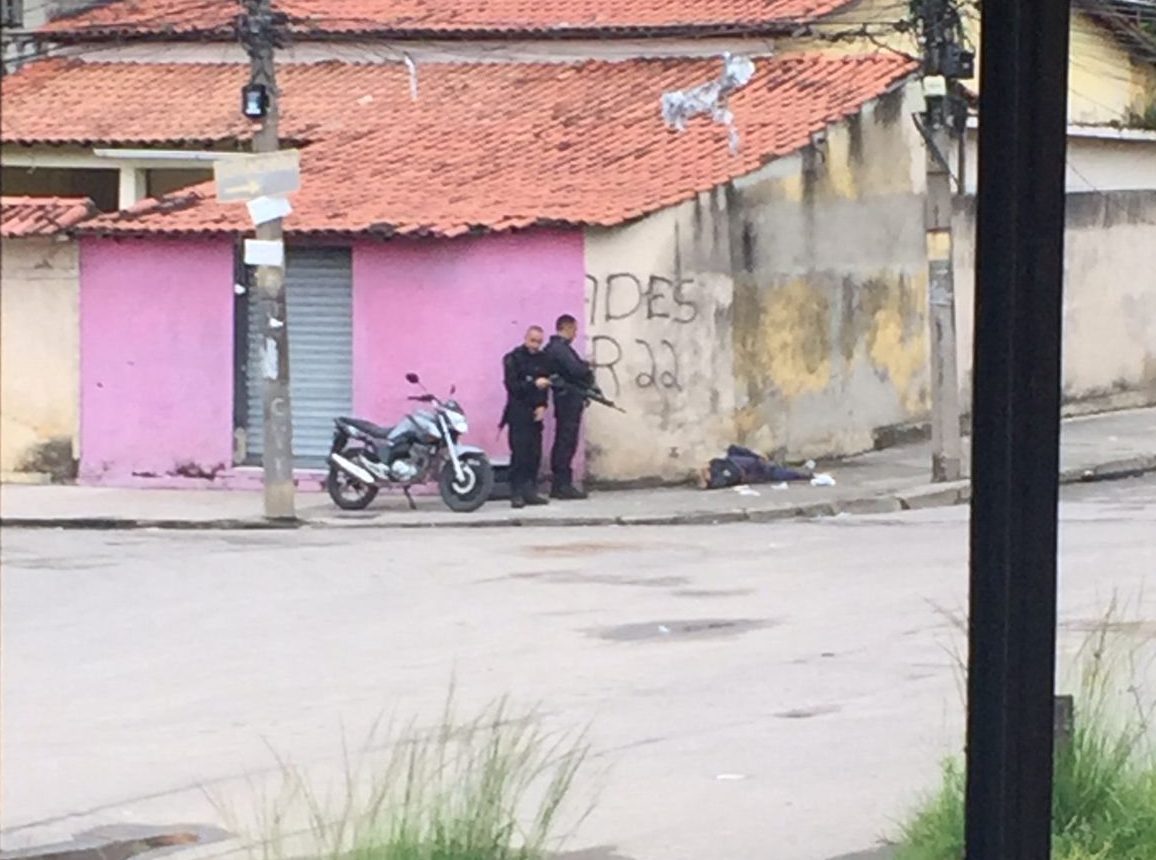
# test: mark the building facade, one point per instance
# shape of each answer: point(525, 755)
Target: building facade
point(39, 337)
point(774, 296)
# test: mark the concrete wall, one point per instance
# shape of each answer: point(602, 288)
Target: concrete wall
point(658, 305)
point(449, 310)
point(830, 293)
point(1098, 159)
point(786, 311)
point(156, 357)
point(1109, 298)
point(39, 335)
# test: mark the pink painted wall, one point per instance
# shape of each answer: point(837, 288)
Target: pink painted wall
point(156, 358)
point(449, 310)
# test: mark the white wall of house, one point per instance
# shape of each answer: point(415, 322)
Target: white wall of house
point(1109, 297)
point(1100, 158)
point(39, 354)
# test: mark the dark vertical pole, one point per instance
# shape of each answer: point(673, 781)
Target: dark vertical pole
point(240, 355)
point(1015, 446)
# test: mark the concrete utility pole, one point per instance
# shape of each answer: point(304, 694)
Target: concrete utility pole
point(944, 62)
point(258, 33)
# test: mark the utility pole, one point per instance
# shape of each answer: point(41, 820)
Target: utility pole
point(258, 33)
point(1016, 436)
point(944, 63)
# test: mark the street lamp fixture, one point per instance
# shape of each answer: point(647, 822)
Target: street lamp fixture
point(254, 101)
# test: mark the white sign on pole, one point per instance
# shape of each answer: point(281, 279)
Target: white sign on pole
point(265, 252)
point(262, 210)
point(241, 178)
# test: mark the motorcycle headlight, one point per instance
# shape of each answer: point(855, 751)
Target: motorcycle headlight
point(458, 422)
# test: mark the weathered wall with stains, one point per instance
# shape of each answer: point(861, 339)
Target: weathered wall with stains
point(156, 346)
point(786, 311)
point(830, 323)
point(1106, 84)
point(1109, 295)
point(658, 309)
point(449, 310)
point(39, 334)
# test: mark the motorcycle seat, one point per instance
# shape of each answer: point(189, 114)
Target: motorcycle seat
point(367, 427)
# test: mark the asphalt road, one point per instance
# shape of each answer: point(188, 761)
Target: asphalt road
point(751, 691)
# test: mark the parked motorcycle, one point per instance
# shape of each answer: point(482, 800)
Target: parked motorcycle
point(422, 447)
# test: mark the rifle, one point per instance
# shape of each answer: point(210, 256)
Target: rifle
point(593, 393)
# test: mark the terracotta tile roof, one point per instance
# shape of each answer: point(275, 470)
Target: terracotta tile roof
point(131, 103)
point(42, 216)
point(415, 18)
point(501, 146)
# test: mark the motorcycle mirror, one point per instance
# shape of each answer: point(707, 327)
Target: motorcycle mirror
point(453, 390)
point(412, 378)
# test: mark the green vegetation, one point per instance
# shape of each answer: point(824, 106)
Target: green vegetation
point(1104, 800)
point(493, 788)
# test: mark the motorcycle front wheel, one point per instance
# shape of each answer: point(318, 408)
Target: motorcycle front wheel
point(347, 492)
point(472, 490)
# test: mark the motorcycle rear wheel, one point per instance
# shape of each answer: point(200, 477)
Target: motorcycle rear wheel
point(469, 494)
point(347, 492)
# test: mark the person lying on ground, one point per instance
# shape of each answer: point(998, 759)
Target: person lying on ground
point(744, 466)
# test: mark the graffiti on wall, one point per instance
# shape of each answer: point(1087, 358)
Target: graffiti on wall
point(635, 322)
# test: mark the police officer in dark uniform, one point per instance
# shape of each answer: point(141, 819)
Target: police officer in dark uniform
point(526, 373)
point(575, 375)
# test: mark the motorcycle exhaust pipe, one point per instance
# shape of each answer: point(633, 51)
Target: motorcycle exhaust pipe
point(352, 469)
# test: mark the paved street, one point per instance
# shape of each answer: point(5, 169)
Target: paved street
point(752, 691)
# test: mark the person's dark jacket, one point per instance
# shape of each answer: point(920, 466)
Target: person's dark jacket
point(744, 466)
point(520, 368)
point(571, 367)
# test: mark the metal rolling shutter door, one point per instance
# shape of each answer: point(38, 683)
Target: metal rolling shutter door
point(319, 293)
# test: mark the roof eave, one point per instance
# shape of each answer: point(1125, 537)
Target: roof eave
point(754, 30)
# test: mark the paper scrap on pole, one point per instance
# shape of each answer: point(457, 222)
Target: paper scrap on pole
point(265, 252)
point(262, 210)
point(270, 358)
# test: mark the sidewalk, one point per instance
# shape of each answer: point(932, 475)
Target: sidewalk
point(1100, 447)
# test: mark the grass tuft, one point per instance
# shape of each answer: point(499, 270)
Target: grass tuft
point(1104, 796)
point(491, 788)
